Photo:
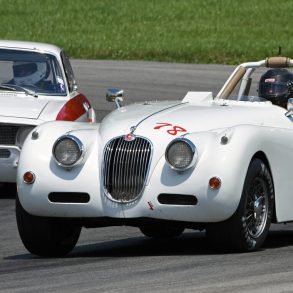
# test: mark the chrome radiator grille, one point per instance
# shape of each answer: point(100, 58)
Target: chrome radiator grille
point(8, 134)
point(126, 165)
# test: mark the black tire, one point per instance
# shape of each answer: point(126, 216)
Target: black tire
point(161, 231)
point(247, 229)
point(48, 237)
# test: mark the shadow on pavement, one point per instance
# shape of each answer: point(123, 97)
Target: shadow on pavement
point(279, 239)
point(7, 190)
point(188, 244)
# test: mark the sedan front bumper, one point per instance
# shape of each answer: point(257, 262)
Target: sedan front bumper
point(9, 156)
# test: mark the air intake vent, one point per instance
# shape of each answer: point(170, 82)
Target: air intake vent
point(177, 199)
point(126, 164)
point(69, 197)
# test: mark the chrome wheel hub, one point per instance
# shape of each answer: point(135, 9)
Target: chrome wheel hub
point(257, 209)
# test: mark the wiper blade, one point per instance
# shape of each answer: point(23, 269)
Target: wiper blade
point(6, 87)
point(15, 87)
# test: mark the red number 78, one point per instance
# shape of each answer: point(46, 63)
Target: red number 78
point(174, 129)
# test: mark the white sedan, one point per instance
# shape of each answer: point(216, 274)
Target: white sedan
point(220, 163)
point(37, 84)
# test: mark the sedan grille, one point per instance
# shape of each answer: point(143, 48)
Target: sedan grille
point(4, 154)
point(126, 164)
point(8, 134)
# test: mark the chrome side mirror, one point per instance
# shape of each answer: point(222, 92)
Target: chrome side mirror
point(289, 108)
point(115, 95)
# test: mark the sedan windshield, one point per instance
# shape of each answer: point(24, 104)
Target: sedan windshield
point(30, 72)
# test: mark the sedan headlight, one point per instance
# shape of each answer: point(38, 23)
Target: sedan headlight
point(181, 154)
point(22, 134)
point(68, 151)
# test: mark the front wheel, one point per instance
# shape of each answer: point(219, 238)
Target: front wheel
point(247, 229)
point(43, 236)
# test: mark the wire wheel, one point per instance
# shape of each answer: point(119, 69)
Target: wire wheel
point(248, 227)
point(257, 208)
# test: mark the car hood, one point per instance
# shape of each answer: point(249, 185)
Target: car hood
point(167, 120)
point(21, 106)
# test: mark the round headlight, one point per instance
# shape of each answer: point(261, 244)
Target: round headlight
point(68, 151)
point(181, 154)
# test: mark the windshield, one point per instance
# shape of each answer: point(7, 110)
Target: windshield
point(30, 72)
point(248, 99)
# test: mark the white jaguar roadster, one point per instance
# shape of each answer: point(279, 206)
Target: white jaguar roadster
point(36, 85)
point(222, 164)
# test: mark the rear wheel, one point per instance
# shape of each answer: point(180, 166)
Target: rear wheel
point(161, 231)
point(247, 229)
point(45, 236)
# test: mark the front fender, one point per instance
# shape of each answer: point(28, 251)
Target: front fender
point(225, 154)
point(36, 156)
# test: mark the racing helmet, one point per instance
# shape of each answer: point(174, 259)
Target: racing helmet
point(276, 85)
point(29, 72)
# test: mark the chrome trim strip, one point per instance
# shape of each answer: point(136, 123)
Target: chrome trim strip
point(133, 128)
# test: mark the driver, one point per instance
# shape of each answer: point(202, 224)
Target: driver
point(276, 85)
point(29, 73)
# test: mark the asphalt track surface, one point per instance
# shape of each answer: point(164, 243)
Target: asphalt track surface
point(120, 259)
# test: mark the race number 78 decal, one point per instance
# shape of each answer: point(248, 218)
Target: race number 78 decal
point(170, 128)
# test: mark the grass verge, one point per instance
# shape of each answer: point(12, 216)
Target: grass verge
point(194, 31)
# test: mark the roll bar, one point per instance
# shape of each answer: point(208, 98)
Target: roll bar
point(239, 72)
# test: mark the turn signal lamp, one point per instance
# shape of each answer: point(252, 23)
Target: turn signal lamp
point(215, 183)
point(29, 177)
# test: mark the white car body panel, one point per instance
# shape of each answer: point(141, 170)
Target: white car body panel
point(227, 135)
point(19, 109)
point(213, 206)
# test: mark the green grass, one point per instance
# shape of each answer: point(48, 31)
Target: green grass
point(194, 31)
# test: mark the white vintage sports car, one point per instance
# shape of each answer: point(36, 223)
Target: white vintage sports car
point(222, 164)
point(36, 85)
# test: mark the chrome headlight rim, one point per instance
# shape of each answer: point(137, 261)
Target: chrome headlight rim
point(193, 151)
point(80, 149)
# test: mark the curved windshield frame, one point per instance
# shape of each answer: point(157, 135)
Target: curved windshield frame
point(44, 69)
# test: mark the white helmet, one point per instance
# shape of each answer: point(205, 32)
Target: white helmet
point(29, 72)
